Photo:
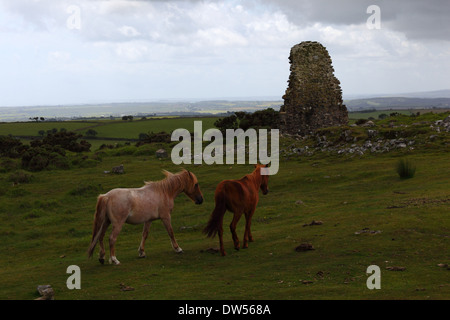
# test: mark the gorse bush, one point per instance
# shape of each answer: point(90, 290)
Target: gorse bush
point(406, 169)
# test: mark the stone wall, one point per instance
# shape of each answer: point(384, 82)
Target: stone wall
point(313, 98)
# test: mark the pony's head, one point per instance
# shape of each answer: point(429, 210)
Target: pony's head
point(264, 178)
point(192, 190)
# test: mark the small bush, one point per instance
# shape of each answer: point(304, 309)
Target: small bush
point(406, 169)
point(20, 177)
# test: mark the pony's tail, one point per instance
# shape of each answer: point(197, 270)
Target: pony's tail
point(216, 219)
point(99, 219)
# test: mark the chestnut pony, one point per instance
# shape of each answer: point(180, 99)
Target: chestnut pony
point(240, 197)
point(153, 201)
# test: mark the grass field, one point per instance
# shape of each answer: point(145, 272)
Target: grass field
point(370, 217)
point(108, 131)
point(106, 128)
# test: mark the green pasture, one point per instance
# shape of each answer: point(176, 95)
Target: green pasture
point(32, 128)
point(132, 129)
point(46, 227)
point(369, 217)
point(376, 114)
point(110, 129)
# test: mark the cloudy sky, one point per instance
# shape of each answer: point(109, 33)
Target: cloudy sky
point(95, 51)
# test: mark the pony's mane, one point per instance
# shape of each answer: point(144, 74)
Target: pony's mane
point(171, 183)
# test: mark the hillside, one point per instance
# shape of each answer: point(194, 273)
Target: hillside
point(369, 216)
point(418, 100)
point(397, 103)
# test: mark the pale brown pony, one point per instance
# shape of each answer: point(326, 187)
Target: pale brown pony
point(153, 201)
point(240, 197)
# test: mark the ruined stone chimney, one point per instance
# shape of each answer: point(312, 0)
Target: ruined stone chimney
point(313, 98)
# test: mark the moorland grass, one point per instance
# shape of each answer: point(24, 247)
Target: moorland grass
point(370, 217)
point(46, 226)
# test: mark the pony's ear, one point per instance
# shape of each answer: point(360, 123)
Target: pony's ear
point(266, 166)
point(167, 173)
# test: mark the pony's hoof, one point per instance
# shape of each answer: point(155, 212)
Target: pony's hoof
point(113, 260)
point(179, 250)
point(142, 254)
point(102, 261)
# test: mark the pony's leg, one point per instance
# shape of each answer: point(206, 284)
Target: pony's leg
point(222, 249)
point(144, 237)
point(168, 225)
point(112, 240)
point(233, 224)
point(101, 256)
point(248, 233)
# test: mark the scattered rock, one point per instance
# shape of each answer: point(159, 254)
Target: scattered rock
point(313, 223)
point(442, 265)
point(307, 281)
point(395, 207)
point(46, 292)
point(368, 124)
point(194, 227)
point(367, 230)
point(299, 202)
point(123, 287)
point(320, 274)
point(118, 169)
point(396, 268)
point(161, 153)
point(304, 247)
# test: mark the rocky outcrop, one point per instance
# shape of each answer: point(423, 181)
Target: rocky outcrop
point(313, 98)
point(373, 138)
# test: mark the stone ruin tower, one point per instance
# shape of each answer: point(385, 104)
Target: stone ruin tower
point(313, 98)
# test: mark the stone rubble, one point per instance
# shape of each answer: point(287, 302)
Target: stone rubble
point(354, 141)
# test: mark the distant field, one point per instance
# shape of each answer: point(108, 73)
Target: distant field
point(132, 129)
point(375, 114)
point(33, 128)
point(106, 128)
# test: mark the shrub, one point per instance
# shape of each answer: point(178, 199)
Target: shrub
point(20, 177)
point(361, 121)
point(267, 118)
point(152, 137)
point(8, 165)
point(67, 141)
point(406, 169)
point(11, 147)
point(58, 161)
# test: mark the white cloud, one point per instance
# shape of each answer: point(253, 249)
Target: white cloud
point(128, 31)
point(203, 47)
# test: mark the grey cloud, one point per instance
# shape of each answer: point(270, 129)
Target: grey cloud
point(415, 18)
